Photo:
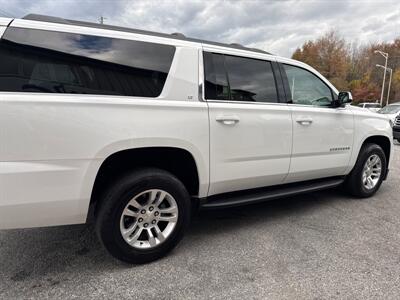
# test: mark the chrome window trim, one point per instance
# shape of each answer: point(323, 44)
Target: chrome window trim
point(325, 81)
point(202, 97)
point(299, 64)
point(161, 95)
point(311, 106)
point(246, 102)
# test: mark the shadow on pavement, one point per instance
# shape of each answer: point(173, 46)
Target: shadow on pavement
point(46, 252)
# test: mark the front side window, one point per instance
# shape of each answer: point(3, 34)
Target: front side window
point(57, 62)
point(306, 88)
point(239, 79)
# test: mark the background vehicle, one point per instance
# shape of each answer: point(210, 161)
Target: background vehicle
point(374, 107)
point(396, 128)
point(136, 128)
point(391, 111)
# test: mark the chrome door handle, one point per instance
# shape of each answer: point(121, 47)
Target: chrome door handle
point(304, 121)
point(227, 120)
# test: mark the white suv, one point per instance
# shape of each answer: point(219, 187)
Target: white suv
point(136, 128)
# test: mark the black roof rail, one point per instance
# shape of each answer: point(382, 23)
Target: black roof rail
point(237, 45)
point(176, 35)
point(260, 50)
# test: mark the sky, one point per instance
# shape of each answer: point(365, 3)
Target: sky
point(278, 27)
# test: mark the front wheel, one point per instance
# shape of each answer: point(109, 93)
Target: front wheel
point(143, 216)
point(368, 173)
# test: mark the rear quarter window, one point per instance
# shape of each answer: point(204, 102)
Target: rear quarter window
point(56, 62)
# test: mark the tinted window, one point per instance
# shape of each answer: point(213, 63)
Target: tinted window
point(306, 88)
point(250, 79)
point(215, 77)
point(238, 78)
point(55, 62)
point(372, 105)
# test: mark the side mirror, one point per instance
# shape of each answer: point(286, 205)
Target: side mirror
point(344, 97)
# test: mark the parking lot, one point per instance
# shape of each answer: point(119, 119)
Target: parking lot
point(315, 246)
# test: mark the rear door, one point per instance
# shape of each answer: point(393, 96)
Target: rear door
point(250, 130)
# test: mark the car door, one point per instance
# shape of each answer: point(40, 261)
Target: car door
point(322, 134)
point(250, 131)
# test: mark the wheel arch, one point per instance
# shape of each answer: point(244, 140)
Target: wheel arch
point(178, 161)
point(383, 141)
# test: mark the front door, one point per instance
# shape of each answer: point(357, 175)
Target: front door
point(322, 134)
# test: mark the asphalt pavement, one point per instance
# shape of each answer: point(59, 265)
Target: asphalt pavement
point(323, 245)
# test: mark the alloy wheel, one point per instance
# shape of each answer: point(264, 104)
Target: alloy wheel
point(149, 219)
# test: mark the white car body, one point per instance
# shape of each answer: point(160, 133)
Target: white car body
point(53, 145)
point(391, 116)
point(374, 107)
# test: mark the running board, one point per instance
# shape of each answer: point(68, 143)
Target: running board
point(269, 193)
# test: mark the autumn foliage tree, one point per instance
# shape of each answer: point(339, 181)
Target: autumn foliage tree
point(329, 55)
point(353, 67)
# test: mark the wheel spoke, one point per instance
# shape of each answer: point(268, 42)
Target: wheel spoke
point(370, 182)
point(160, 198)
point(376, 169)
point(153, 196)
point(373, 160)
point(135, 204)
point(376, 173)
point(169, 210)
point(128, 231)
point(136, 235)
point(152, 239)
point(160, 235)
point(130, 213)
point(172, 218)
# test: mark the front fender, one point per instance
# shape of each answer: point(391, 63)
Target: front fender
point(368, 126)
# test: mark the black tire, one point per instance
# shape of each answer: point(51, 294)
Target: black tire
point(116, 198)
point(398, 140)
point(354, 184)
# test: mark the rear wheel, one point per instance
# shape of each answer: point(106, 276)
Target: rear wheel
point(143, 216)
point(368, 173)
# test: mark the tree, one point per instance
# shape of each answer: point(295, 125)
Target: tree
point(353, 66)
point(329, 55)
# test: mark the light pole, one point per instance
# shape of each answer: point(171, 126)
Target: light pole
point(101, 19)
point(385, 55)
point(390, 81)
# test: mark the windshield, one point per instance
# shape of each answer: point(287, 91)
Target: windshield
point(390, 109)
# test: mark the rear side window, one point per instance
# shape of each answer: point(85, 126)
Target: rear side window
point(56, 62)
point(216, 81)
point(239, 79)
